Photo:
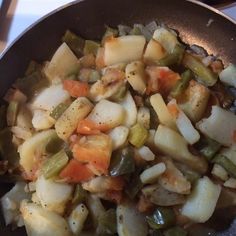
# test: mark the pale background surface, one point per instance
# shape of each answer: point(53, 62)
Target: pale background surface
point(22, 13)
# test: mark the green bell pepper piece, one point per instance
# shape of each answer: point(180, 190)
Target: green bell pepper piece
point(161, 218)
point(122, 162)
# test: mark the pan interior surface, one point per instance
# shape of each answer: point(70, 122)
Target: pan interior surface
point(195, 23)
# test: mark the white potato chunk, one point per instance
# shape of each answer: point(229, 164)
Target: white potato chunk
point(77, 219)
point(62, 64)
point(107, 113)
point(24, 118)
point(53, 196)
point(230, 183)
point(50, 98)
point(101, 184)
point(119, 66)
point(128, 217)
point(173, 180)
point(21, 133)
point(118, 136)
point(183, 123)
point(196, 100)
point(219, 172)
point(201, 204)
point(220, 126)
point(42, 222)
point(174, 145)
point(136, 77)
point(42, 120)
point(108, 86)
point(166, 38)
point(69, 120)
point(10, 203)
point(146, 154)
point(124, 49)
point(162, 111)
point(230, 153)
point(34, 147)
point(228, 75)
point(154, 51)
point(150, 141)
point(151, 174)
point(144, 116)
point(130, 110)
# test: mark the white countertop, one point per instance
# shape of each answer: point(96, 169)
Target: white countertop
point(25, 12)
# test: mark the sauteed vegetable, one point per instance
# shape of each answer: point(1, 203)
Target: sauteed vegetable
point(131, 135)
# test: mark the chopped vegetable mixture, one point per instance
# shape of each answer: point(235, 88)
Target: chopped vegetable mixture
point(134, 135)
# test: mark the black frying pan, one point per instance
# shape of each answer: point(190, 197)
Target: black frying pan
point(87, 18)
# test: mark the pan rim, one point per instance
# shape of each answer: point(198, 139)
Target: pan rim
point(8, 48)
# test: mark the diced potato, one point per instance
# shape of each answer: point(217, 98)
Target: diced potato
point(107, 113)
point(103, 183)
point(166, 38)
point(219, 172)
point(230, 153)
point(77, 219)
point(128, 217)
point(151, 174)
point(124, 49)
point(120, 66)
point(68, 121)
point(202, 202)
point(53, 196)
point(24, 118)
point(220, 126)
point(173, 144)
point(10, 203)
point(162, 111)
point(62, 64)
point(150, 141)
point(130, 110)
point(119, 136)
point(154, 51)
point(146, 154)
point(227, 76)
point(135, 75)
point(230, 183)
point(33, 148)
point(183, 123)
point(42, 120)
point(108, 86)
point(173, 180)
point(35, 199)
point(42, 222)
point(50, 98)
point(21, 133)
point(143, 117)
point(195, 102)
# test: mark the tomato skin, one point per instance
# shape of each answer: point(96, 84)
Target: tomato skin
point(161, 79)
point(76, 88)
point(76, 172)
point(95, 150)
point(88, 127)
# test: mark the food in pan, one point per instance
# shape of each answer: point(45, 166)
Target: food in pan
point(132, 135)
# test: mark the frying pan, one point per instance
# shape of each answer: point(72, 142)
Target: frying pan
point(87, 18)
